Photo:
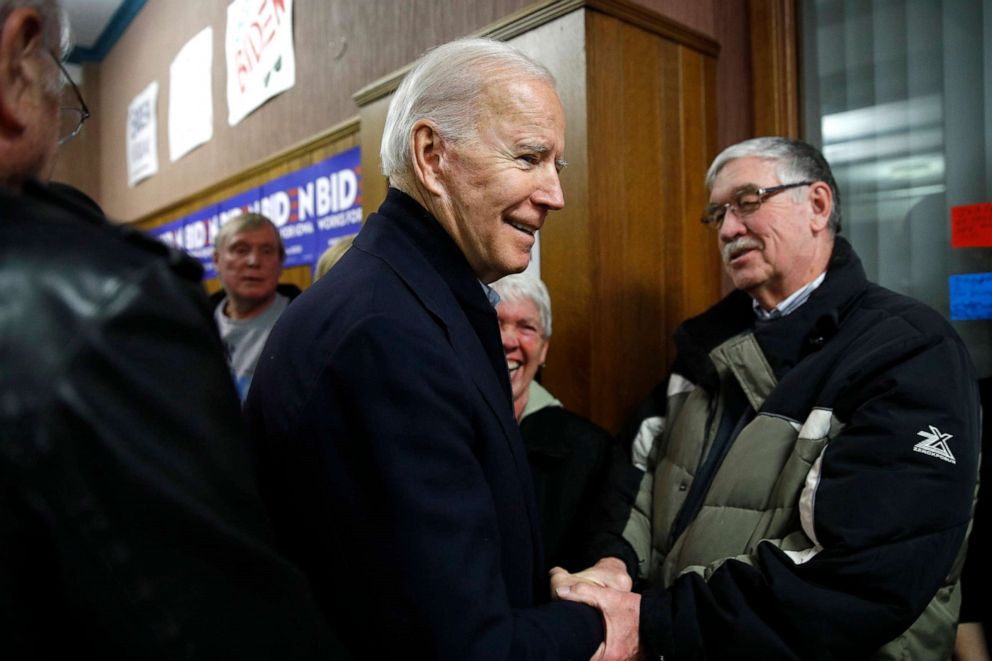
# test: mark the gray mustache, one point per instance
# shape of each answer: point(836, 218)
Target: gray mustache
point(740, 243)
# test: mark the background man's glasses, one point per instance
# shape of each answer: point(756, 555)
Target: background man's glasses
point(71, 118)
point(746, 201)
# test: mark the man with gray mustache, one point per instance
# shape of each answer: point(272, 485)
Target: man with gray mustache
point(802, 483)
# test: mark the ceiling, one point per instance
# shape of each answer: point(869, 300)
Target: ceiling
point(97, 25)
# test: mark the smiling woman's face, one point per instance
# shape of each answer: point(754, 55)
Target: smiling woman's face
point(524, 345)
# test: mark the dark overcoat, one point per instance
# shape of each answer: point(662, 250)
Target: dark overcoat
point(391, 462)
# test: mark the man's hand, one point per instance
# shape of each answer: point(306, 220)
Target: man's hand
point(970, 644)
point(621, 615)
point(607, 573)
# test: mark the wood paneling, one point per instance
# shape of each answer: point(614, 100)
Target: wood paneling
point(774, 63)
point(652, 133)
point(374, 184)
point(735, 118)
point(568, 239)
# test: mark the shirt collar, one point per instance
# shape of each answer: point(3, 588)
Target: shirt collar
point(490, 294)
point(790, 304)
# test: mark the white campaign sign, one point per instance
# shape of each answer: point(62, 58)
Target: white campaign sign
point(191, 108)
point(142, 135)
point(260, 58)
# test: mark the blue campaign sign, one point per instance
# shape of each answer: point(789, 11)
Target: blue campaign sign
point(315, 204)
point(311, 207)
point(170, 233)
point(971, 296)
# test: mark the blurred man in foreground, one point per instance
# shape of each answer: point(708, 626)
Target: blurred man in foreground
point(130, 527)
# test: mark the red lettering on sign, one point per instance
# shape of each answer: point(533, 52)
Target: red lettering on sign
point(259, 35)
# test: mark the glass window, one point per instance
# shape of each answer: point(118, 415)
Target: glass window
point(899, 98)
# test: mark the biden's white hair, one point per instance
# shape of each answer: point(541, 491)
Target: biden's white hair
point(445, 87)
point(524, 287)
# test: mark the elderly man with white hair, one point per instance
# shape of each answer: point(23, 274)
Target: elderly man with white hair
point(381, 410)
point(806, 474)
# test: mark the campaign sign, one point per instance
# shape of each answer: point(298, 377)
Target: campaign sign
point(261, 60)
point(141, 135)
point(971, 296)
point(311, 207)
point(170, 234)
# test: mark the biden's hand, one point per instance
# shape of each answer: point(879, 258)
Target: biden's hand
point(607, 573)
point(621, 616)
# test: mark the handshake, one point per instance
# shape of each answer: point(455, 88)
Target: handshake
point(606, 586)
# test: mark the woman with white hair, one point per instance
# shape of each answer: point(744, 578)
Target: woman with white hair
point(568, 454)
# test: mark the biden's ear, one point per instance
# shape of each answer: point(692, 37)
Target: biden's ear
point(22, 40)
point(821, 201)
point(428, 157)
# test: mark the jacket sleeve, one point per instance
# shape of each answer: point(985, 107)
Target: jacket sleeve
point(423, 512)
point(130, 496)
point(883, 517)
point(622, 525)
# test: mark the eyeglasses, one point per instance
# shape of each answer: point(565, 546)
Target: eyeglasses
point(71, 118)
point(747, 200)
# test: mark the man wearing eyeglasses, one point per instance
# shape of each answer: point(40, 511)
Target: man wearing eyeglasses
point(803, 482)
point(130, 527)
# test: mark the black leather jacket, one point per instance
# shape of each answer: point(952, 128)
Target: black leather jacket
point(130, 526)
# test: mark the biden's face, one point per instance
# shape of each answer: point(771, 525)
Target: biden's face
point(501, 185)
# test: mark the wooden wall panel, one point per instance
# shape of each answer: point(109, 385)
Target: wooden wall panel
point(735, 118)
point(568, 242)
point(632, 166)
point(374, 184)
point(652, 132)
point(699, 259)
point(775, 63)
point(699, 15)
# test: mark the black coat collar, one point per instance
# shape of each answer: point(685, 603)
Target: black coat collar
point(412, 242)
point(63, 204)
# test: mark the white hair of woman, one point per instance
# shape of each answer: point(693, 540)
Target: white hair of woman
point(519, 287)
